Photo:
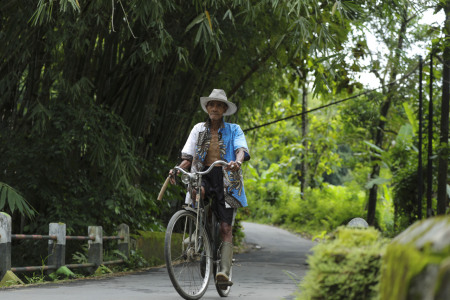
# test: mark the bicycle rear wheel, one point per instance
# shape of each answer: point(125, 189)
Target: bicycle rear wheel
point(189, 267)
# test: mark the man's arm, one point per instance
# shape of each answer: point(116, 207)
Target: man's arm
point(236, 164)
point(240, 156)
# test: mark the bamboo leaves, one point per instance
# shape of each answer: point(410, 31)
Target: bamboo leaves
point(73, 3)
point(200, 18)
point(209, 19)
point(205, 30)
point(118, 84)
point(15, 200)
point(229, 15)
point(43, 12)
point(45, 9)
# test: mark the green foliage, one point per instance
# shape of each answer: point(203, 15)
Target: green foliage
point(80, 257)
point(62, 273)
point(88, 88)
point(35, 278)
point(327, 208)
point(278, 150)
point(102, 270)
point(346, 266)
point(14, 199)
point(405, 198)
point(273, 173)
point(149, 61)
point(136, 261)
point(89, 167)
point(88, 91)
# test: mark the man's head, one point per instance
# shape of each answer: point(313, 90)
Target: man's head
point(218, 98)
point(216, 109)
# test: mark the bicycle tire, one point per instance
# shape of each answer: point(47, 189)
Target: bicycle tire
point(189, 271)
point(217, 258)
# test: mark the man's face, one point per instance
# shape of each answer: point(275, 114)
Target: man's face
point(216, 109)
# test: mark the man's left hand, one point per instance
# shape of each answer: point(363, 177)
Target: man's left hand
point(233, 166)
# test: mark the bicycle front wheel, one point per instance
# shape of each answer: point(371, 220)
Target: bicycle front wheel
point(187, 253)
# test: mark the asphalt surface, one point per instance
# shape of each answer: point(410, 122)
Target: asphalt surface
point(270, 270)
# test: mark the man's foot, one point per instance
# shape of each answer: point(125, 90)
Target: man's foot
point(223, 285)
point(221, 277)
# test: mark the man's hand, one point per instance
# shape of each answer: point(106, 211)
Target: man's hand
point(233, 166)
point(185, 164)
point(172, 174)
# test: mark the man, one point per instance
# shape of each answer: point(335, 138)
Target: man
point(217, 140)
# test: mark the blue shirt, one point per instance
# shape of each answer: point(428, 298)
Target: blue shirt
point(231, 139)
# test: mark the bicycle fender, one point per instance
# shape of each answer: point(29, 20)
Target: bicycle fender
point(188, 208)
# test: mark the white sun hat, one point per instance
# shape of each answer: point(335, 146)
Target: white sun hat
point(219, 95)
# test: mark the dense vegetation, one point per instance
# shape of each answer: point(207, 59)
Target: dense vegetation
point(346, 266)
point(364, 146)
point(97, 98)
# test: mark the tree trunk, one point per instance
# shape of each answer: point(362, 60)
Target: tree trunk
point(443, 156)
point(303, 164)
point(379, 134)
point(420, 165)
point(430, 145)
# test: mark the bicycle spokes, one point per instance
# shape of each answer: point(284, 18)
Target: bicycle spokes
point(188, 255)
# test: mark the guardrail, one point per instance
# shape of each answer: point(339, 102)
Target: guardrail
point(57, 246)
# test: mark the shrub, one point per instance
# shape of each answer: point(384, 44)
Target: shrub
point(346, 266)
point(279, 203)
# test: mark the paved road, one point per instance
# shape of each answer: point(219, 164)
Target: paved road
point(259, 274)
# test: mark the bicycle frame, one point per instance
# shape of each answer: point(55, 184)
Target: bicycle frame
point(195, 180)
point(190, 268)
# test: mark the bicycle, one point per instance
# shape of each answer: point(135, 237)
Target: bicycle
point(192, 243)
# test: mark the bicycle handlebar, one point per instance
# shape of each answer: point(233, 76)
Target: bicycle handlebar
point(166, 183)
point(217, 162)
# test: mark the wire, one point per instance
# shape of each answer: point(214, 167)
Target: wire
point(333, 103)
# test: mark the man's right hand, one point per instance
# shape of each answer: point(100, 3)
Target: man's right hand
point(185, 164)
point(172, 174)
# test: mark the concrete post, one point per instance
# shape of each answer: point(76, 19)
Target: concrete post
point(124, 245)
point(5, 244)
point(57, 249)
point(95, 252)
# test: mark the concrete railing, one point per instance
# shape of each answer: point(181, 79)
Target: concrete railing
point(57, 239)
